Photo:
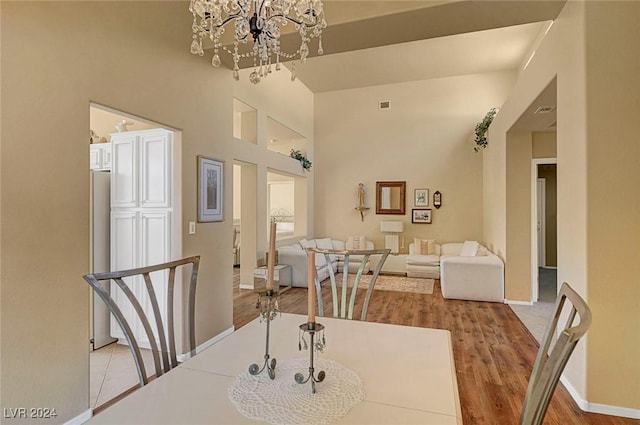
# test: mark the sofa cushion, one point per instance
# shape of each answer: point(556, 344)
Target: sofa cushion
point(425, 246)
point(352, 258)
point(423, 260)
point(321, 261)
point(451, 248)
point(469, 249)
point(356, 242)
point(324, 243)
point(304, 243)
point(426, 272)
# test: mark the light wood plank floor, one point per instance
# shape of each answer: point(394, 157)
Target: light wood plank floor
point(494, 352)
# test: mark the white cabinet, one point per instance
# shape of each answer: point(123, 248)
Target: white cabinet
point(139, 238)
point(100, 157)
point(155, 170)
point(124, 172)
point(143, 229)
point(142, 164)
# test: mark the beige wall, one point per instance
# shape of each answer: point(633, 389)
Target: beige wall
point(544, 144)
point(613, 173)
point(517, 270)
point(108, 53)
point(103, 122)
point(425, 139)
point(597, 162)
point(296, 113)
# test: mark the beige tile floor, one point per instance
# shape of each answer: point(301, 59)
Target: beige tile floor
point(536, 316)
point(113, 371)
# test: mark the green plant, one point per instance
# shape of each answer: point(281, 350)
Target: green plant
point(481, 130)
point(306, 164)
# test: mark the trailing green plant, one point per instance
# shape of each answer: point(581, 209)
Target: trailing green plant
point(306, 164)
point(481, 130)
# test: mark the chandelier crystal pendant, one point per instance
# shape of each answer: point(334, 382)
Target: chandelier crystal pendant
point(260, 21)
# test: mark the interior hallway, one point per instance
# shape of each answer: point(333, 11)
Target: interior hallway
point(535, 317)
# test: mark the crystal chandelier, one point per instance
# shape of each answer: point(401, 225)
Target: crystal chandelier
point(260, 20)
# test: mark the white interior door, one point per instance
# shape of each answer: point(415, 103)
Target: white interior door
point(540, 214)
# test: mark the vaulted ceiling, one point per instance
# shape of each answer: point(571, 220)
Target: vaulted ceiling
point(369, 43)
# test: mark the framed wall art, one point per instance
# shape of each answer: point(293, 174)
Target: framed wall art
point(421, 197)
point(210, 189)
point(421, 215)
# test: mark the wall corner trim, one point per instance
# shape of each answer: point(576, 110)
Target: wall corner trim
point(222, 335)
point(516, 302)
point(81, 418)
point(604, 409)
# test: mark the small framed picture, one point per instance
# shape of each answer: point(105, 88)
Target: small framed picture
point(210, 189)
point(421, 216)
point(421, 197)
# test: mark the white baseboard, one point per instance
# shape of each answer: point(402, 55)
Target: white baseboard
point(515, 302)
point(246, 286)
point(186, 356)
point(81, 418)
point(603, 409)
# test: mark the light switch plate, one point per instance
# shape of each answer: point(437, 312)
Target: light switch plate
point(192, 227)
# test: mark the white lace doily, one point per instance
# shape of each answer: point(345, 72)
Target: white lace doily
point(284, 401)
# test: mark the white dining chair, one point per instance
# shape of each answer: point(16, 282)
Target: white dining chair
point(341, 308)
point(550, 362)
point(130, 282)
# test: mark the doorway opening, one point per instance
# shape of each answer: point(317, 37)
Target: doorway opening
point(547, 231)
point(544, 224)
point(245, 211)
point(536, 146)
point(135, 221)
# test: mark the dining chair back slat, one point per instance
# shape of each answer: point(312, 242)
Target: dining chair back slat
point(549, 364)
point(340, 307)
point(162, 343)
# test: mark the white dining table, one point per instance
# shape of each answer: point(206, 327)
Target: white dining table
point(408, 375)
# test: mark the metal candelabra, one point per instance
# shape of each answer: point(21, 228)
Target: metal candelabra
point(312, 329)
point(269, 309)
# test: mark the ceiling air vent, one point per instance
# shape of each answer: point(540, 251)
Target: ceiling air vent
point(384, 104)
point(544, 109)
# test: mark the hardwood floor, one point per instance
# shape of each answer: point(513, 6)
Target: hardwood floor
point(493, 351)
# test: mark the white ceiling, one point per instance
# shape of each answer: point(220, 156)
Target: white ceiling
point(381, 42)
point(376, 42)
point(369, 43)
point(373, 42)
point(469, 53)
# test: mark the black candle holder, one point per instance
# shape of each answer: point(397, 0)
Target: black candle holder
point(269, 309)
point(312, 329)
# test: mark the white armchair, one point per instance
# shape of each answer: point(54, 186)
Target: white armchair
point(295, 256)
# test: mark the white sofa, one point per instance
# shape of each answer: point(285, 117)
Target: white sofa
point(477, 277)
point(295, 256)
point(422, 265)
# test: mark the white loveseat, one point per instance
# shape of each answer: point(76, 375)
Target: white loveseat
point(295, 256)
point(476, 274)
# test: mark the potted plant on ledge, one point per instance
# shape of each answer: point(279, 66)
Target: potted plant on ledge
point(481, 130)
point(304, 161)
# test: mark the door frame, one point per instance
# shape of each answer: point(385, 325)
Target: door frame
point(534, 223)
point(541, 201)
